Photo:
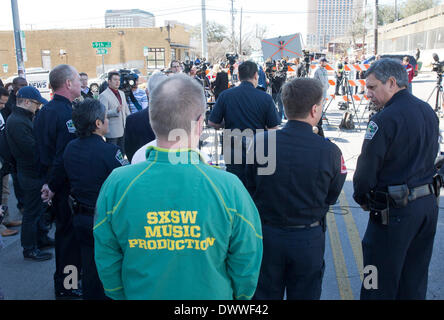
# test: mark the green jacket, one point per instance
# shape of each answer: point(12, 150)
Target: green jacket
point(176, 231)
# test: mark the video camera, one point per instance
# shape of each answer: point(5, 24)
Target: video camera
point(232, 58)
point(127, 80)
point(437, 66)
point(306, 63)
point(187, 65)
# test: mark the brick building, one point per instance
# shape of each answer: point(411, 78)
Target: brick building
point(143, 48)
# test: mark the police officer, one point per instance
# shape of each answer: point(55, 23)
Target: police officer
point(88, 160)
point(53, 128)
point(243, 107)
point(293, 199)
point(394, 181)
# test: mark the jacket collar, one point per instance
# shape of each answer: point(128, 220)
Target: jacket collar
point(399, 94)
point(174, 156)
point(299, 124)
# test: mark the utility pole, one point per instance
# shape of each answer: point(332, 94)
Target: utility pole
point(232, 26)
point(17, 39)
point(204, 32)
point(396, 10)
point(364, 51)
point(240, 34)
point(375, 27)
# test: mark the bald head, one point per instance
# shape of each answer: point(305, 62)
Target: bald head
point(59, 75)
point(174, 104)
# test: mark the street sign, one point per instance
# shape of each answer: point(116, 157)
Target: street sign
point(102, 51)
point(106, 44)
point(5, 68)
point(145, 51)
point(23, 41)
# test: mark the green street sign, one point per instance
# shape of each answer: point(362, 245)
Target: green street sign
point(106, 44)
point(102, 51)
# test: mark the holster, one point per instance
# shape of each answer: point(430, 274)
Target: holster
point(73, 204)
point(378, 203)
point(438, 180)
point(399, 195)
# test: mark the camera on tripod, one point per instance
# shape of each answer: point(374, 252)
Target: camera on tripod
point(437, 66)
point(232, 58)
point(306, 63)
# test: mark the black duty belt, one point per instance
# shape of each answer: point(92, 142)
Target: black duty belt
point(421, 191)
point(79, 208)
point(300, 226)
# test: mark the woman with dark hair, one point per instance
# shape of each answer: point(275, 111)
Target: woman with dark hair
point(221, 82)
point(88, 160)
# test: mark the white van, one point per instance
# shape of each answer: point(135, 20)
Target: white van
point(38, 78)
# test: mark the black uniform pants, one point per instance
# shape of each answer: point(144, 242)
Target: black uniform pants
point(33, 229)
point(401, 251)
point(293, 260)
point(91, 285)
point(67, 249)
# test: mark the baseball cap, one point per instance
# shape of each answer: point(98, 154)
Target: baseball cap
point(32, 93)
point(323, 59)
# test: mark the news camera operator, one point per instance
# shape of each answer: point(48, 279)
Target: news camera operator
point(277, 80)
point(136, 98)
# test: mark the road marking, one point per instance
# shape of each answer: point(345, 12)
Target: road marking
point(338, 258)
point(353, 235)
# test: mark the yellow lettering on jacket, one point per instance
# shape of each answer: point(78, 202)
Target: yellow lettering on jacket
point(175, 218)
point(152, 232)
point(152, 217)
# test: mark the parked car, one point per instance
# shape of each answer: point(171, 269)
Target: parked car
point(398, 57)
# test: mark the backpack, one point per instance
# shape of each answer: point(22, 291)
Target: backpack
point(347, 121)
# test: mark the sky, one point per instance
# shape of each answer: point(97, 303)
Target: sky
point(281, 17)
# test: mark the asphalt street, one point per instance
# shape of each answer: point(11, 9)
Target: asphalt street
point(27, 280)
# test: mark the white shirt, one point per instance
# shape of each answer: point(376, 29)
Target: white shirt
point(140, 154)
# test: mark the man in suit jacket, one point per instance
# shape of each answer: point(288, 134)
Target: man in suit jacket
point(117, 109)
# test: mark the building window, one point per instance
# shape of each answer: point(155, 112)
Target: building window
point(156, 58)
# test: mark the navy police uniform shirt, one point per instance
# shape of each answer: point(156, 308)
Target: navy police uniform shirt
point(53, 129)
point(88, 162)
point(400, 147)
point(245, 107)
point(308, 178)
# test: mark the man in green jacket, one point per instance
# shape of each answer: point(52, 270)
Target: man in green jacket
point(172, 227)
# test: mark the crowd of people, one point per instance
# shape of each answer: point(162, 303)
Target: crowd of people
point(170, 226)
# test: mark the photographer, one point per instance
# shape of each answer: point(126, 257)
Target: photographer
point(278, 79)
point(136, 97)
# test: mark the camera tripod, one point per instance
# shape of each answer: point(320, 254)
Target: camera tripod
point(439, 94)
point(344, 82)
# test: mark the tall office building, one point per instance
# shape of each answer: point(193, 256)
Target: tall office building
point(329, 19)
point(128, 19)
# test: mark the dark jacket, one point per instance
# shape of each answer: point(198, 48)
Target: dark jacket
point(54, 129)
point(308, 177)
point(9, 106)
point(400, 147)
point(21, 141)
point(138, 132)
point(88, 162)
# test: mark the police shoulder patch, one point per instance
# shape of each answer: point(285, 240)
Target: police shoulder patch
point(121, 159)
point(372, 128)
point(70, 126)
